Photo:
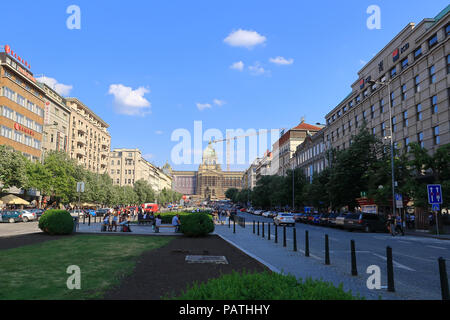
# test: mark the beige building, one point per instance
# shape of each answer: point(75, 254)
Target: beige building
point(90, 141)
point(126, 166)
point(56, 122)
point(415, 65)
point(249, 177)
point(288, 142)
point(311, 155)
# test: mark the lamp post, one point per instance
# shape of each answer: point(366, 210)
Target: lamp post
point(388, 84)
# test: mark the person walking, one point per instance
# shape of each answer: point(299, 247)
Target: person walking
point(176, 222)
point(391, 225)
point(399, 225)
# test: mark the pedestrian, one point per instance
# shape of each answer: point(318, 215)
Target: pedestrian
point(114, 222)
point(413, 221)
point(157, 223)
point(391, 225)
point(176, 222)
point(430, 219)
point(399, 225)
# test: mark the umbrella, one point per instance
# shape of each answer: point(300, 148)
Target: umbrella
point(12, 199)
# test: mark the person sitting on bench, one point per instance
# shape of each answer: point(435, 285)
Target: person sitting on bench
point(157, 223)
point(105, 224)
point(125, 224)
point(176, 222)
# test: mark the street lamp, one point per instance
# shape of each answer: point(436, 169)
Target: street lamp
point(388, 84)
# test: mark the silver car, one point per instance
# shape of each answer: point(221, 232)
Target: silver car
point(284, 219)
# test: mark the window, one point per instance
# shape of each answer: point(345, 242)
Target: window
point(406, 142)
point(6, 132)
point(364, 115)
point(418, 53)
point(366, 93)
point(417, 84)
point(448, 64)
point(436, 136)
point(405, 119)
point(394, 124)
point(383, 129)
point(420, 139)
point(18, 137)
point(447, 29)
point(8, 113)
point(349, 125)
point(356, 121)
point(372, 111)
point(393, 72)
point(392, 99)
point(404, 96)
point(381, 105)
point(20, 119)
point(434, 106)
point(20, 100)
point(358, 99)
point(419, 112)
point(112, 162)
point(345, 109)
point(432, 41)
point(36, 144)
point(339, 113)
point(7, 92)
point(432, 71)
point(374, 131)
point(404, 63)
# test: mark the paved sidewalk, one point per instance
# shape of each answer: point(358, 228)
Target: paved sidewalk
point(286, 261)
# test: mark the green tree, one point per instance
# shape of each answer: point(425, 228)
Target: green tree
point(13, 168)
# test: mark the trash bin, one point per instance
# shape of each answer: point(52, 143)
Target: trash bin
point(75, 224)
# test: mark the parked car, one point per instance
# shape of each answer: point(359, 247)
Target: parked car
point(257, 212)
point(310, 218)
point(77, 213)
point(38, 212)
point(273, 214)
point(10, 216)
point(298, 216)
point(316, 219)
point(332, 219)
point(339, 221)
point(323, 219)
point(102, 212)
point(284, 219)
point(368, 222)
point(27, 215)
point(304, 217)
point(265, 214)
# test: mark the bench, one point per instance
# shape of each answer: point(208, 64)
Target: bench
point(120, 226)
point(164, 226)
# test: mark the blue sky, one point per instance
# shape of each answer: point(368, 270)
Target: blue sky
point(148, 67)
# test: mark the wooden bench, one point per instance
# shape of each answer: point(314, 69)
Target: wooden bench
point(164, 226)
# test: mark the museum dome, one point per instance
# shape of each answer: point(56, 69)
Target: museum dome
point(209, 155)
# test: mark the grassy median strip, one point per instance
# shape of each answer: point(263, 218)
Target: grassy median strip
point(39, 271)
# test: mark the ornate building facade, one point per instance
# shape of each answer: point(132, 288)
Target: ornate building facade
point(209, 182)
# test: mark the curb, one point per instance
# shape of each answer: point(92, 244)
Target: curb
point(268, 265)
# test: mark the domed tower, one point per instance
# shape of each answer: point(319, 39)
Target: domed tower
point(210, 176)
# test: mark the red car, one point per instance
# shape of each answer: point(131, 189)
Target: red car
point(243, 210)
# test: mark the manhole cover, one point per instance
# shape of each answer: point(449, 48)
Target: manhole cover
point(206, 259)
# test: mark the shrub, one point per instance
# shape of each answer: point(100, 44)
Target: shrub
point(196, 224)
point(264, 286)
point(166, 217)
point(56, 222)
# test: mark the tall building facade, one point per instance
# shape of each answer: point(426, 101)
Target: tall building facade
point(126, 166)
point(209, 182)
point(56, 122)
point(288, 142)
point(415, 67)
point(90, 141)
point(22, 106)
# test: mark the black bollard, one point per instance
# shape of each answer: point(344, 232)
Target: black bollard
point(353, 254)
point(263, 229)
point(444, 279)
point(295, 239)
point(244, 222)
point(276, 233)
point(284, 236)
point(258, 229)
point(229, 222)
point(306, 244)
point(327, 251)
point(268, 231)
point(390, 270)
point(89, 220)
point(253, 226)
point(234, 226)
point(84, 218)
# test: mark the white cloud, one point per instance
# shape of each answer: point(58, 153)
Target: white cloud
point(62, 89)
point(237, 66)
point(256, 69)
point(203, 106)
point(129, 101)
point(219, 102)
point(244, 38)
point(159, 132)
point(281, 61)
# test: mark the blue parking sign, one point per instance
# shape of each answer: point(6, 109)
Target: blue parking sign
point(434, 194)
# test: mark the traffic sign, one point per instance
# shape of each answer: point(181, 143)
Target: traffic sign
point(398, 201)
point(80, 186)
point(434, 194)
point(435, 207)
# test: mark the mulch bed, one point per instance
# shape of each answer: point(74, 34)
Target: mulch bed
point(26, 239)
point(164, 271)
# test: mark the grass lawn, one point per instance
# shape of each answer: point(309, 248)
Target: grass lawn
point(39, 271)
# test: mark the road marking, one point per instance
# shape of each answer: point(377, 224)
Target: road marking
point(437, 247)
point(311, 255)
point(412, 257)
point(398, 265)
